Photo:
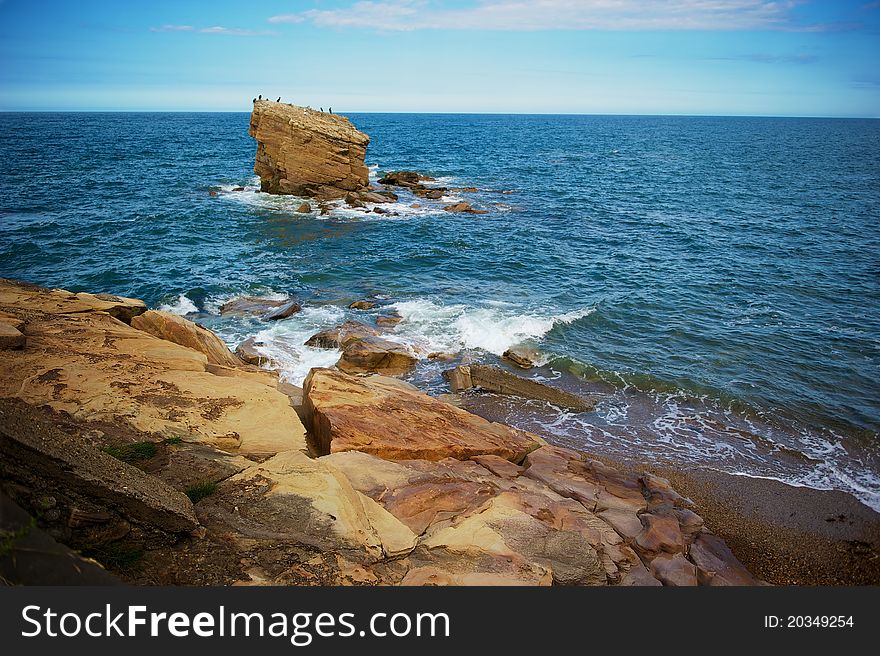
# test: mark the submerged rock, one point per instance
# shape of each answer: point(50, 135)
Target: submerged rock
point(493, 379)
point(388, 319)
point(463, 208)
point(304, 208)
point(307, 153)
point(388, 418)
point(251, 305)
point(404, 178)
point(363, 305)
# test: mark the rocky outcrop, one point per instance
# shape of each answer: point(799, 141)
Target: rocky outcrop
point(494, 379)
point(174, 328)
point(96, 368)
point(307, 153)
point(85, 481)
point(391, 419)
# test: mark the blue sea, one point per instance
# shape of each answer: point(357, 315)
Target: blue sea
point(716, 281)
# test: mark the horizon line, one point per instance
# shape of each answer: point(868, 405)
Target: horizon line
point(448, 113)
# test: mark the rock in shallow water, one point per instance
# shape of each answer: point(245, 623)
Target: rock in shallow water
point(249, 352)
point(251, 305)
point(493, 379)
point(307, 153)
point(334, 338)
point(376, 355)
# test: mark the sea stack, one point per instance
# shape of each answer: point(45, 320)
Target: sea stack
point(308, 153)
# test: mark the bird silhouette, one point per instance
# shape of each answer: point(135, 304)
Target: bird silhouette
point(279, 99)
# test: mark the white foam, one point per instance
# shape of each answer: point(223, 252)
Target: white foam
point(182, 306)
point(492, 328)
point(283, 342)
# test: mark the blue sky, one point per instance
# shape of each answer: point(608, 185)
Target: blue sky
point(819, 58)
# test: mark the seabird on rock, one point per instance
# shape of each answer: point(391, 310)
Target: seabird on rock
point(279, 99)
point(255, 100)
point(322, 109)
point(260, 97)
point(331, 110)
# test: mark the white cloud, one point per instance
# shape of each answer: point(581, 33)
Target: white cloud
point(534, 15)
point(216, 29)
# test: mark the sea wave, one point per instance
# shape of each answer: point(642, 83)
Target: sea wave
point(182, 305)
point(492, 328)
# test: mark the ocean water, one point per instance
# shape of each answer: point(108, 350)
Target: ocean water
point(716, 281)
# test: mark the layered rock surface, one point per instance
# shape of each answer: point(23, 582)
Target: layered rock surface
point(304, 152)
point(86, 363)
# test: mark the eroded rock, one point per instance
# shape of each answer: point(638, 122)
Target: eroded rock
point(178, 330)
point(307, 153)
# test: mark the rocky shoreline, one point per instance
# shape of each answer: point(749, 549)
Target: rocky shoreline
point(134, 442)
point(138, 438)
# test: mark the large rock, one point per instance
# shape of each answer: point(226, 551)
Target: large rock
point(494, 379)
point(376, 355)
point(307, 153)
point(338, 337)
point(389, 419)
point(174, 328)
point(96, 368)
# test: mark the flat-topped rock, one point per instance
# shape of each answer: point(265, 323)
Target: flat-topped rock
point(494, 379)
point(389, 419)
point(307, 153)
